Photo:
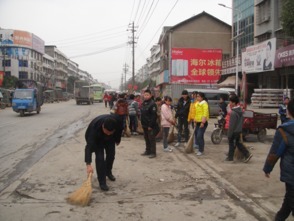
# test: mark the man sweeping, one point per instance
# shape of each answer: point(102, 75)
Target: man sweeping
point(102, 134)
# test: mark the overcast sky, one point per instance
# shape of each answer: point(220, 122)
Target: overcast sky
point(94, 33)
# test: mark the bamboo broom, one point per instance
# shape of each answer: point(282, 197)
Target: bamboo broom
point(238, 154)
point(171, 136)
point(189, 146)
point(82, 195)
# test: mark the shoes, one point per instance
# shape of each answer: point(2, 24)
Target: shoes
point(104, 187)
point(135, 133)
point(168, 149)
point(199, 153)
point(228, 159)
point(152, 156)
point(248, 158)
point(177, 144)
point(111, 177)
point(145, 153)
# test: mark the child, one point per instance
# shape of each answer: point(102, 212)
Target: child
point(167, 121)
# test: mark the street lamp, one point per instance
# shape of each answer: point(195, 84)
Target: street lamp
point(239, 16)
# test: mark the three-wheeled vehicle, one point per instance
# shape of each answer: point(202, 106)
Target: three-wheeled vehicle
point(28, 97)
point(253, 123)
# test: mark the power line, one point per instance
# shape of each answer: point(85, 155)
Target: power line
point(82, 36)
point(145, 22)
point(70, 44)
point(132, 11)
point(137, 10)
point(161, 24)
point(142, 12)
point(98, 52)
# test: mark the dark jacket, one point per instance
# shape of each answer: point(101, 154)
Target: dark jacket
point(223, 107)
point(95, 137)
point(283, 150)
point(149, 114)
point(183, 109)
point(283, 113)
point(236, 121)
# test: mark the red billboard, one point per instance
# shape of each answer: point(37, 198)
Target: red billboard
point(192, 65)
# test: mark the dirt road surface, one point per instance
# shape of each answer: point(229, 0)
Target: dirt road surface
point(173, 186)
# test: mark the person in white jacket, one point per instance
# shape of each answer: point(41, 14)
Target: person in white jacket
point(167, 120)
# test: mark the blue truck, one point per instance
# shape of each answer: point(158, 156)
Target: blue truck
point(28, 97)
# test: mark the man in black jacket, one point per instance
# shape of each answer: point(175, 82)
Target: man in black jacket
point(102, 134)
point(149, 124)
point(182, 113)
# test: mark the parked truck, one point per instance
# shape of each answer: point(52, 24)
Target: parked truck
point(28, 97)
point(83, 92)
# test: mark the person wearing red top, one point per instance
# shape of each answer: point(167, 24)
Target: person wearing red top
point(106, 98)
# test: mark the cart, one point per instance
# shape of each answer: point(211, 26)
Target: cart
point(253, 123)
point(257, 123)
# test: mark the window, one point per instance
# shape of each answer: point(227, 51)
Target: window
point(7, 74)
point(6, 63)
point(23, 63)
point(23, 75)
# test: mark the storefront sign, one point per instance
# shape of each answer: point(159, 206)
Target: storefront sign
point(259, 57)
point(284, 57)
point(192, 65)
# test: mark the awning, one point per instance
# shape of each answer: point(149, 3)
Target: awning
point(229, 82)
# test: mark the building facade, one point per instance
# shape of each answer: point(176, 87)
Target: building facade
point(203, 33)
point(21, 54)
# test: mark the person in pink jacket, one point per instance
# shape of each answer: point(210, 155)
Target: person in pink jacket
point(167, 120)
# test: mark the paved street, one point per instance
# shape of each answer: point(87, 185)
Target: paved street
point(173, 186)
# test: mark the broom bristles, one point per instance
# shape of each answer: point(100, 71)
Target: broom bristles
point(238, 154)
point(82, 195)
point(189, 146)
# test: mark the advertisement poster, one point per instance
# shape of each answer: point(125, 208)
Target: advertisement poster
point(284, 57)
point(259, 57)
point(192, 65)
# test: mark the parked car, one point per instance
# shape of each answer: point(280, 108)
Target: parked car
point(213, 97)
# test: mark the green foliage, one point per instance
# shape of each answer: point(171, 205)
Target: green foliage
point(287, 17)
point(70, 84)
point(9, 81)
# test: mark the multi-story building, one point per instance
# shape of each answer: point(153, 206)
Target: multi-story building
point(268, 26)
point(48, 70)
point(203, 41)
point(21, 54)
point(142, 74)
point(60, 66)
point(154, 61)
point(73, 69)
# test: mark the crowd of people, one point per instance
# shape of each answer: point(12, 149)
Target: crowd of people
point(158, 114)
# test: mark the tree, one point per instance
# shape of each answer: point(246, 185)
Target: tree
point(9, 81)
point(287, 17)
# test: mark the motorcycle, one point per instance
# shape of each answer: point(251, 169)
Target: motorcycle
point(219, 128)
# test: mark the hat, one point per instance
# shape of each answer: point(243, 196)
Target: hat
point(184, 92)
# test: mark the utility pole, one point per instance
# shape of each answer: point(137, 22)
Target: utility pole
point(133, 53)
point(125, 69)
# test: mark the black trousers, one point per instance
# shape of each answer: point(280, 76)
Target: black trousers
point(288, 204)
point(235, 141)
point(104, 166)
point(183, 122)
point(149, 136)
